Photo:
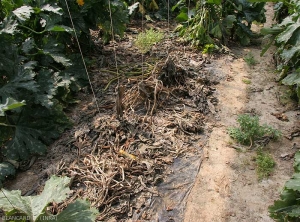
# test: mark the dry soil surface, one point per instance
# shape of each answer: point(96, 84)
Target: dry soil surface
point(227, 187)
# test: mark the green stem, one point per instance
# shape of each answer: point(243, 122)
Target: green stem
point(57, 69)
point(112, 80)
point(8, 125)
point(233, 5)
point(109, 71)
point(39, 33)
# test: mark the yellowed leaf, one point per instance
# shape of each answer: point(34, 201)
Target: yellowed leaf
point(153, 5)
point(142, 9)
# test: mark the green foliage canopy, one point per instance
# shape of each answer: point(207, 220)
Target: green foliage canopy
point(41, 70)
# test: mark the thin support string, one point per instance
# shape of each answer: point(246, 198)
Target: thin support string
point(79, 47)
point(143, 41)
point(169, 37)
point(168, 15)
point(113, 40)
point(189, 4)
point(188, 22)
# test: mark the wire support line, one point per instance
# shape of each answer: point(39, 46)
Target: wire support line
point(188, 22)
point(113, 40)
point(168, 47)
point(168, 16)
point(143, 39)
point(79, 47)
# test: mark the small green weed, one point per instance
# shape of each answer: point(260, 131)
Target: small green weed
point(209, 48)
point(246, 81)
point(146, 40)
point(249, 59)
point(285, 96)
point(257, 23)
point(265, 164)
point(250, 130)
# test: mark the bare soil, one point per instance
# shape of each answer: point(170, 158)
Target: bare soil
point(227, 187)
point(163, 153)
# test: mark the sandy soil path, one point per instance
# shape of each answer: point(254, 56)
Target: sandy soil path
point(227, 188)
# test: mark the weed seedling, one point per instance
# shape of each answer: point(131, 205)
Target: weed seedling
point(265, 164)
point(146, 40)
point(246, 81)
point(249, 59)
point(209, 48)
point(250, 130)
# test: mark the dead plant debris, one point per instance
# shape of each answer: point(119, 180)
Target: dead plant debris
point(117, 158)
point(121, 161)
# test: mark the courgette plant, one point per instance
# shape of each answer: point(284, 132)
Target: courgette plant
point(35, 71)
point(34, 208)
point(287, 208)
point(211, 20)
point(286, 36)
point(40, 67)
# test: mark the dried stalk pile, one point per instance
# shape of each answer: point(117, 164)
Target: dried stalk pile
point(120, 162)
point(154, 91)
point(119, 170)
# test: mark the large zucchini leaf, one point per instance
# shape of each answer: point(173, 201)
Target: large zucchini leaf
point(34, 129)
point(292, 79)
point(56, 190)
point(6, 169)
point(23, 79)
point(79, 211)
point(287, 208)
